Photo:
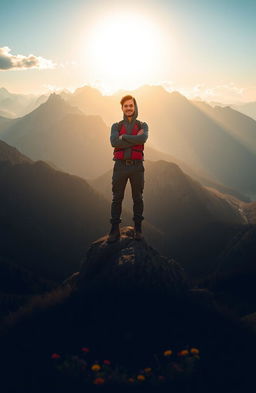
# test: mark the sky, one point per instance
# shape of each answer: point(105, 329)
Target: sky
point(203, 49)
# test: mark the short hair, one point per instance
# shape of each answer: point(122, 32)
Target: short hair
point(125, 98)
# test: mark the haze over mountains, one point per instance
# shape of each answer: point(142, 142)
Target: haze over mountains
point(217, 144)
point(249, 109)
point(62, 134)
point(202, 169)
point(16, 105)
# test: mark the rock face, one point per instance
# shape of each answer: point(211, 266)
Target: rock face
point(129, 264)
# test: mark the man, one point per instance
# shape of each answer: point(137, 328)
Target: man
point(128, 138)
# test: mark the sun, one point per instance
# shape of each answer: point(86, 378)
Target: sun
point(124, 49)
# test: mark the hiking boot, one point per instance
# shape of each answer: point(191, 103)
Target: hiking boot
point(114, 233)
point(138, 231)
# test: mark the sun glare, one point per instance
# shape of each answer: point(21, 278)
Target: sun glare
point(124, 49)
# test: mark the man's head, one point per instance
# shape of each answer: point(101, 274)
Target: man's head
point(128, 105)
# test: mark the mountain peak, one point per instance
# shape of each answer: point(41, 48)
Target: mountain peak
point(4, 89)
point(12, 155)
point(53, 97)
point(178, 96)
point(87, 90)
point(128, 264)
point(4, 92)
point(55, 105)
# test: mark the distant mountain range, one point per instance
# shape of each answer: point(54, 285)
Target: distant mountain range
point(249, 109)
point(47, 216)
point(16, 105)
point(216, 144)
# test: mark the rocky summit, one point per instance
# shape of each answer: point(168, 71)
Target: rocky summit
point(128, 265)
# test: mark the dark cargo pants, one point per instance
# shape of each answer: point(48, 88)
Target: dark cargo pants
point(121, 174)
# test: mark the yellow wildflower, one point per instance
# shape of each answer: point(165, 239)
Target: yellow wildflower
point(141, 377)
point(195, 351)
point(168, 352)
point(183, 352)
point(148, 370)
point(95, 367)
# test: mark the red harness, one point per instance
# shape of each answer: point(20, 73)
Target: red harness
point(136, 150)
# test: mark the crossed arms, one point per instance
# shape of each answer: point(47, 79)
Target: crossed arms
point(128, 140)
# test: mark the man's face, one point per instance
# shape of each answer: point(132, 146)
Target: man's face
point(128, 107)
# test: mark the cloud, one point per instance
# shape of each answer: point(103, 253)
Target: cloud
point(54, 88)
point(20, 62)
point(226, 93)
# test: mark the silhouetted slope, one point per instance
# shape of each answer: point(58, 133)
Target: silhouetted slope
point(196, 223)
point(178, 191)
point(47, 217)
point(234, 280)
point(11, 154)
point(5, 122)
point(248, 109)
point(18, 285)
point(238, 125)
point(127, 303)
point(240, 254)
point(202, 177)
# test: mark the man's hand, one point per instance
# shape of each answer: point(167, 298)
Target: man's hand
point(139, 133)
